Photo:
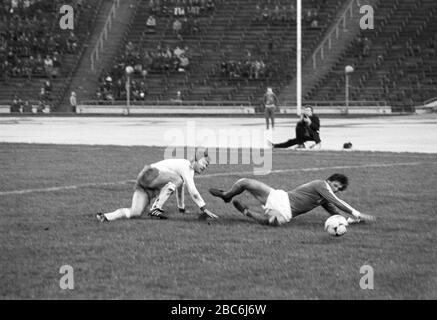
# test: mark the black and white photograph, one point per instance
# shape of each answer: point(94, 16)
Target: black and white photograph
point(218, 155)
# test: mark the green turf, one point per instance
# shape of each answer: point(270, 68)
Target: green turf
point(232, 258)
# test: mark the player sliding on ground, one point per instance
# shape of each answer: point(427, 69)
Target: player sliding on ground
point(280, 206)
point(163, 178)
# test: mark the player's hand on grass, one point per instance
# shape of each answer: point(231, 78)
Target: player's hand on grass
point(205, 213)
point(367, 217)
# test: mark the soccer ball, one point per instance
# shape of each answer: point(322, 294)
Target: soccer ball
point(336, 225)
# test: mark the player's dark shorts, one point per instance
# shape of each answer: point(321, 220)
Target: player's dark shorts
point(269, 111)
point(145, 178)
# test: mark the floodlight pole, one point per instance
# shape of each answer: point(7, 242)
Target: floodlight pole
point(127, 92)
point(347, 71)
point(299, 57)
point(347, 92)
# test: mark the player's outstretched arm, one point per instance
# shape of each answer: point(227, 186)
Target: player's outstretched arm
point(366, 217)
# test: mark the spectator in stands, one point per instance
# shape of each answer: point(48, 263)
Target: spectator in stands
point(265, 14)
point(143, 90)
point(291, 13)
point(178, 97)
point(258, 13)
point(210, 6)
point(183, 63)
point(129, 48)
point(276, 14)
point(48, 87)
point(151, 24)
point(307, 129)
point(72, 43)
point(366, 47)
point(15, 105)
point(41, 107)
point(27, 107)
point(73, 101)
point(177, 27)
point(195, 27)
point(99, 96)
point(39, 65)
point(308, 16)
point(178, 51)
point(152, 7)
point(42, 95)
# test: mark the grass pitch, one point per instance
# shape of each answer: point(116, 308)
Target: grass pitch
point(232, 258)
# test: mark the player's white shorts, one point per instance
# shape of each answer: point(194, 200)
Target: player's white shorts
point(278, 206)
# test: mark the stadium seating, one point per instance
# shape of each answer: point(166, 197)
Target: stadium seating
point(32, 30)
point(400, 65)
point(226, 35)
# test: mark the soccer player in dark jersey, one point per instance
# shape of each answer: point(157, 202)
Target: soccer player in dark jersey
point(280, 206)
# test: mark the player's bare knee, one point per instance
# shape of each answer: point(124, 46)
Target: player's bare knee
point(170, 187)
point(133, 213)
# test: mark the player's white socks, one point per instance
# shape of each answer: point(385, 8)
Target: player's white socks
point(118, 214)
point(163, 196)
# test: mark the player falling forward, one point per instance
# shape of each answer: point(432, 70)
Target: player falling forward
point(280, 206)
point(163, 178)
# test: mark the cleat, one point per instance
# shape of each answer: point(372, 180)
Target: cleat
point(219, 193)
point(157, 213)
point(101, 217)
point(240, 207)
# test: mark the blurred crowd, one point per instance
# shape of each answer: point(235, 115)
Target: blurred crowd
point(162, 59)
point(179, 8)
point(281, 12)
point(31, 43)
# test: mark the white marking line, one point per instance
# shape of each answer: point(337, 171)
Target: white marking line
point(221, 174)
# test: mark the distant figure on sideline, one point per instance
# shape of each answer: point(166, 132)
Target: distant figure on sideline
point(270, 101)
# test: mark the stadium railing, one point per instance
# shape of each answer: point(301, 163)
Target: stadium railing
point(95, 55)
point(429, 101)
point(187, 103)
point(232, 103)
point(341, 26)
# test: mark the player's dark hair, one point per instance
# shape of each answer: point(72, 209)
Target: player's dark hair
point(309, 106)
point(340, 178)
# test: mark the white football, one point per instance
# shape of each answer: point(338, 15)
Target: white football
point(336, 225)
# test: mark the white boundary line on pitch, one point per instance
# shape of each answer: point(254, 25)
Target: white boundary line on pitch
point(220, 174)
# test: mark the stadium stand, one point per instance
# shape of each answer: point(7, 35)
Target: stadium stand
point(222, 52)
point(37, 56)
point(396, 62)
point(233, 53)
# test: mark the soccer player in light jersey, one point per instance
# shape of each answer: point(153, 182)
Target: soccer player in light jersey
point(280, 206)
point(161, 180)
